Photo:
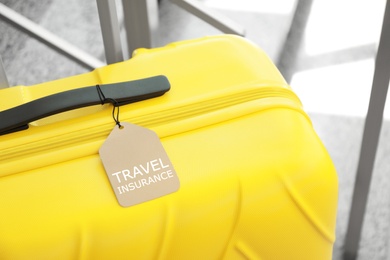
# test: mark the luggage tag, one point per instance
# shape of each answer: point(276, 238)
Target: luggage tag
point(137, 164)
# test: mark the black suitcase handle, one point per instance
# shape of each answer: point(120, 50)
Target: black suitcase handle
point(17, 118)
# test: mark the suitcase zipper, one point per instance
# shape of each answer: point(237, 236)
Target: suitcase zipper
point(158, 121)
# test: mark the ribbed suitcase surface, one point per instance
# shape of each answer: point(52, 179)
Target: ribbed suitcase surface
point(255, 180)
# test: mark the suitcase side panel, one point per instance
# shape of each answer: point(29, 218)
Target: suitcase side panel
point(276, 153)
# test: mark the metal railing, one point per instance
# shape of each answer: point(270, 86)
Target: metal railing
point(140, 22)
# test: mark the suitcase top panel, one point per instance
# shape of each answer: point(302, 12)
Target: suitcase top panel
point(208, 76)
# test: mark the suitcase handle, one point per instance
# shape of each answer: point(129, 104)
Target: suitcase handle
point(17, 118)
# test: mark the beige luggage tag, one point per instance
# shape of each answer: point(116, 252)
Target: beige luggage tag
point(137, 165)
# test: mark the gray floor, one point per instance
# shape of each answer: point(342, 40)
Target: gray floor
point(29, 62)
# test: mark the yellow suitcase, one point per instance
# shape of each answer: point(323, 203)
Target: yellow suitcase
point(255, 180)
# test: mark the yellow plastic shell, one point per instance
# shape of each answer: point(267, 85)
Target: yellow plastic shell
point(256, 181)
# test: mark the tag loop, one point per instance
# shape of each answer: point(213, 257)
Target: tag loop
point(100, 93)
point(115, 104)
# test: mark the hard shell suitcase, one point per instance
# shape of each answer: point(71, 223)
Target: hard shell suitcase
point(255, 180)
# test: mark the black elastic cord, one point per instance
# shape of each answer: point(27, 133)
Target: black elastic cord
point(115, 104)
point(116, 117)
point(100, 93)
